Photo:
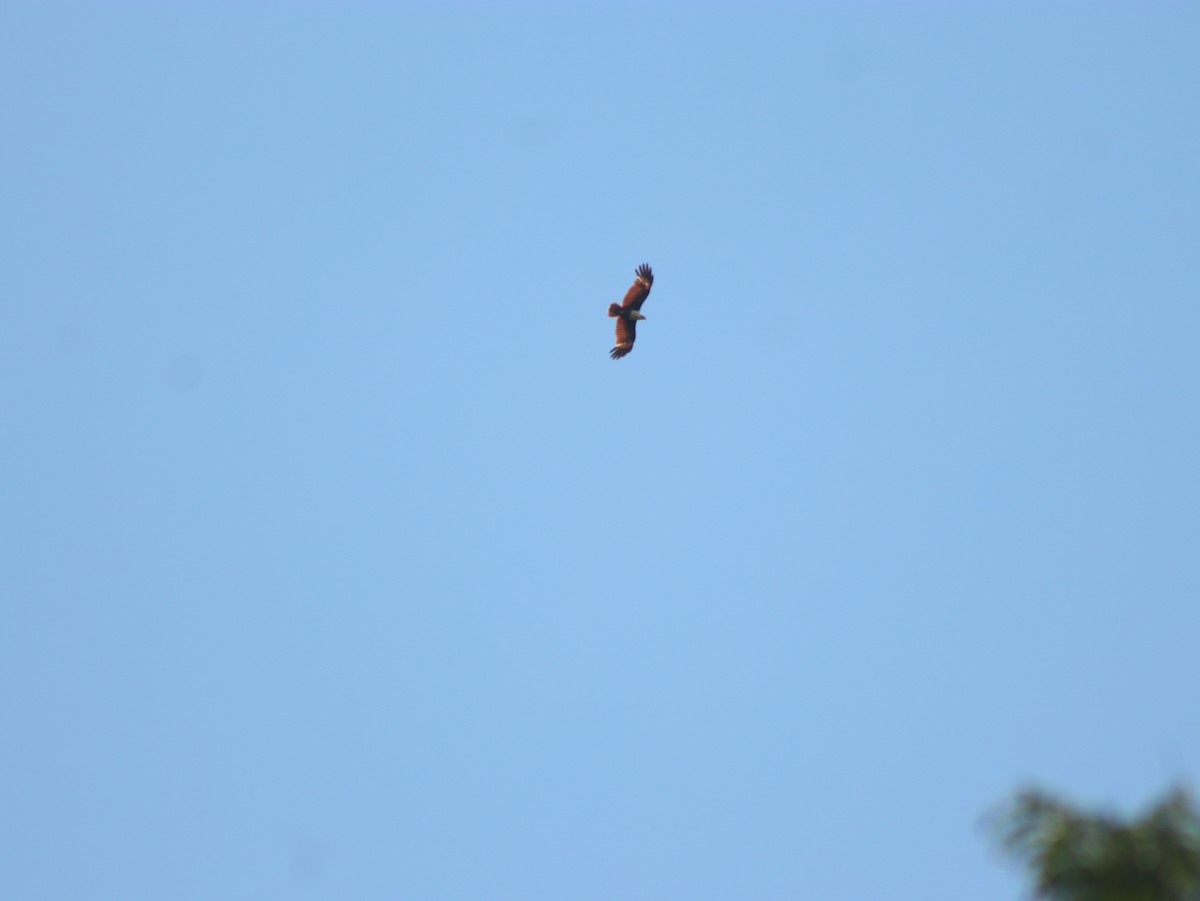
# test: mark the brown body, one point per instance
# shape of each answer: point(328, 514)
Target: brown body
point(629, 311)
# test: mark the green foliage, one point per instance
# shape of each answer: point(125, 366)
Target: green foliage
point(1078, 856)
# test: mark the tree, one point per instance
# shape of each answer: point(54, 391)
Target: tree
point(1079, 856)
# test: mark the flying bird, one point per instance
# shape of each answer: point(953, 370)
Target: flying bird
point(630, 311)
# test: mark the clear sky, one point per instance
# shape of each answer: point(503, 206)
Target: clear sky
point(338, 560)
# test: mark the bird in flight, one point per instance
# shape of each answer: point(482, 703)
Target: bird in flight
point(630, 311)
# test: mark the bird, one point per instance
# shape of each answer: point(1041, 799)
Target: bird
point(630, 311)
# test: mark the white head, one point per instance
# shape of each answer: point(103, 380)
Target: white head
point(637, 314)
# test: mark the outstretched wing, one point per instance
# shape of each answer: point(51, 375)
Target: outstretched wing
point(640, 289)
point(626, 333)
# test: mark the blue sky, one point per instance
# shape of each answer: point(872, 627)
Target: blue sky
point(337, 559)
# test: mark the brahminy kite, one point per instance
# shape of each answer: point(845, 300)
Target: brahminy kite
point(630, 311)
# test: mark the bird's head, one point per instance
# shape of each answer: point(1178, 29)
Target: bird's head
point(637, 314)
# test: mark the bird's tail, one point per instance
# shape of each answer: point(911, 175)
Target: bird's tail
point(614, 309)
